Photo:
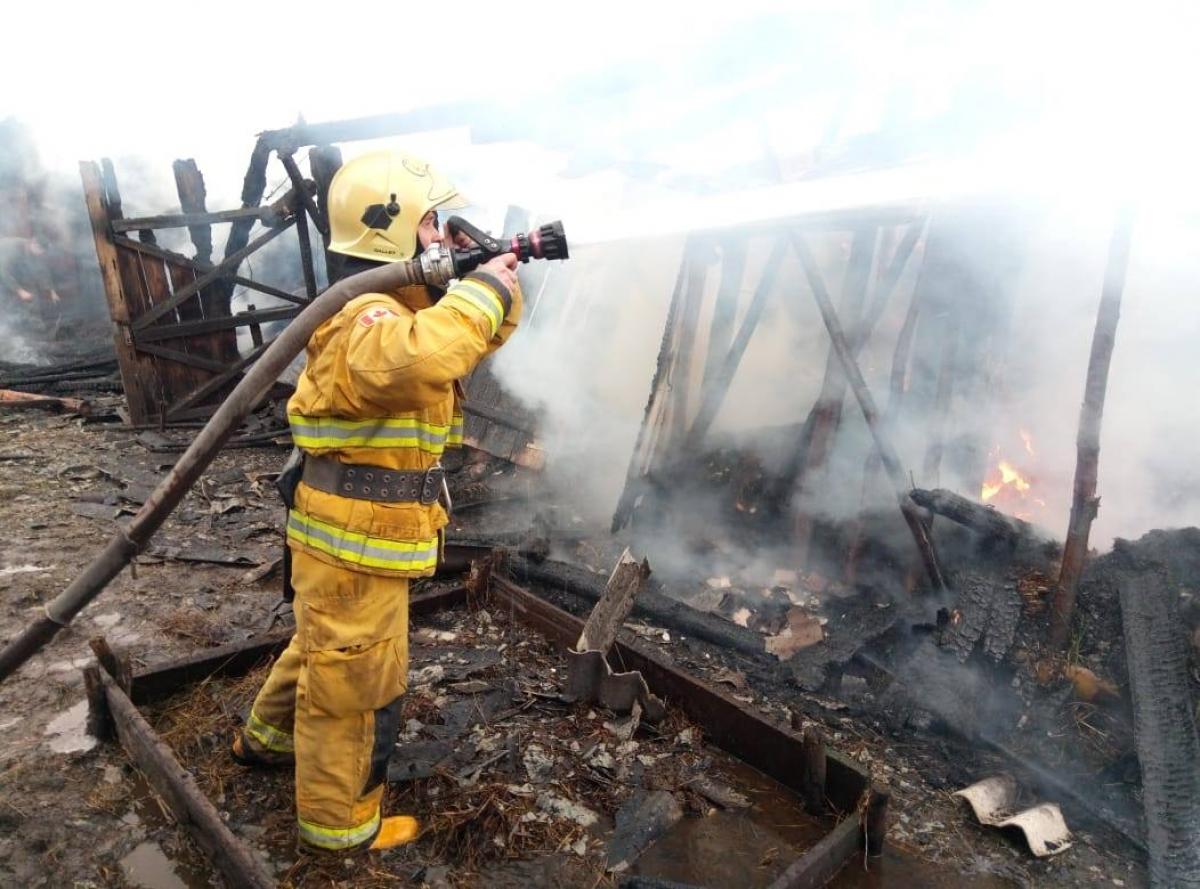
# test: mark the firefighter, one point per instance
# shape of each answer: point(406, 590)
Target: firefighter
point(376, 405)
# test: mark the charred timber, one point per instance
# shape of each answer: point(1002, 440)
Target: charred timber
point(987, 520)
point(655, 606)
point(866, 402)
point(1085, 504)
point(1167, 745)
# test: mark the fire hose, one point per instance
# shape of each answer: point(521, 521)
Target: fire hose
point(436, 266)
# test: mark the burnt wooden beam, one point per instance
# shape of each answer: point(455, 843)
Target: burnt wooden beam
point(718, 387)
point(720, 329)
point(197, 361)
point(189, 184)
point(185, 220)
point(178, 789)
point(685, 345)
point(987, 520)
point(226, 266)
point(827, 412)
point(289, 139)
point(214, 385)
point(1085, 504)
point(609, 614)
point(866, 403)
point(1168, 750)
point(642, 457)
point(190, 328)
point(201, 267)
point(306, 254)
point(304, 189)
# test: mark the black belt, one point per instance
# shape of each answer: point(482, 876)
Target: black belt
point(362, 482)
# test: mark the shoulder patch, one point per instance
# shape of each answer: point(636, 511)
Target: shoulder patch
point(366, 319)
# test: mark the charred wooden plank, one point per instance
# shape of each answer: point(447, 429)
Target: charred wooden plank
point(227, 265)
point(987, 520)
point(656, 606)
point(136, 372)
point(615, 604)
point(15, 400)
point(866, 403)
point(202, 267)
point(178, 789)
point(184, 220)
point(1168, 749)
point(190, 328)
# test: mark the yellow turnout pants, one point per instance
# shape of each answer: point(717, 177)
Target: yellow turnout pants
point(333, 697)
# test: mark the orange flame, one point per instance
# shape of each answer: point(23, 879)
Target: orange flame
point(1011, 488)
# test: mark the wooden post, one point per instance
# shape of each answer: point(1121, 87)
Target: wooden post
point(1085, 503)
point(827, 412)
point(720, 330)
point(646, 446)
point(717, 387)
point(887, 453)
point(189, 183)
point(813, 771)
point(324, 161)
point(874, 818)
point(135, 372)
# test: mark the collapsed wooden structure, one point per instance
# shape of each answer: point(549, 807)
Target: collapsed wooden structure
point(831, 783)
point(176, 333)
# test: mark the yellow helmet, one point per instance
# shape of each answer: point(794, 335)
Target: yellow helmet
point(377, 202)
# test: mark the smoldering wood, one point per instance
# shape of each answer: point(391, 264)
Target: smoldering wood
point(1085, 504)
point(1168, 749)
point(987, 614)
point(887, 453)
point(202, 267)
point(785, 484)
point(99, 720)
point(987, 520)
point(827, 412)
point(660, 609)
point(614, 604)
point(178, 789)
point(871, 465)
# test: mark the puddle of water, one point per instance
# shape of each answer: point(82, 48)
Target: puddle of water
point(897, 869)
point(70, 727)
point(148, 867)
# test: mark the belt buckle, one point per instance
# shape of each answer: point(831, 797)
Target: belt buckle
point(431, 485)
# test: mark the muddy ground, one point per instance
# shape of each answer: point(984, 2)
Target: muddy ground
point(72, 813)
